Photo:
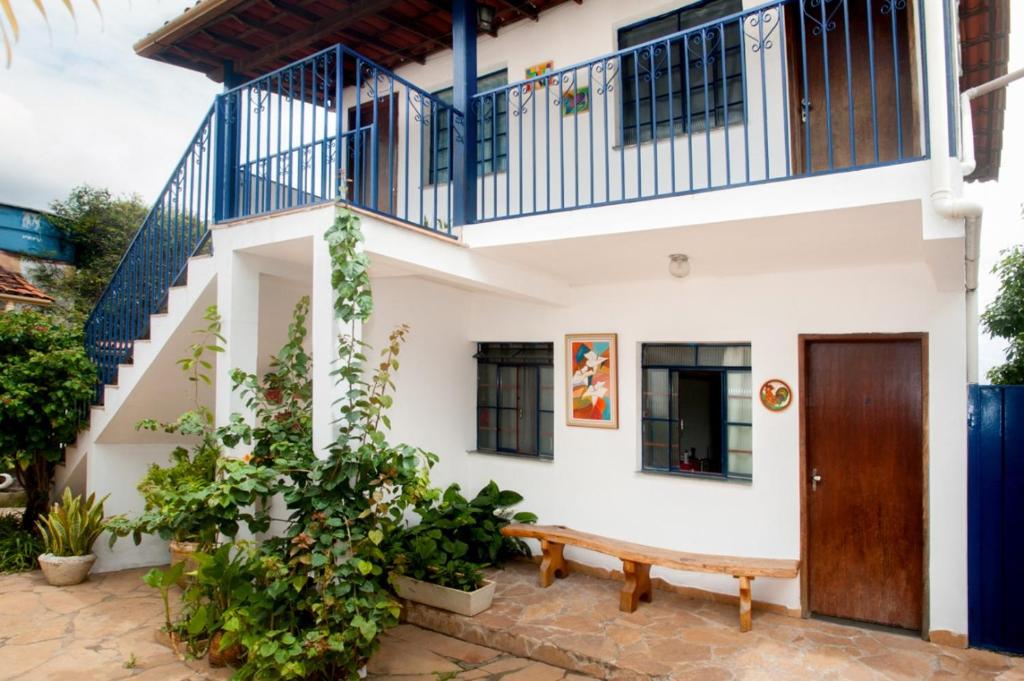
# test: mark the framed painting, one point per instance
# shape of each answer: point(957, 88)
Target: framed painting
point(592, 367)
point(576, 101)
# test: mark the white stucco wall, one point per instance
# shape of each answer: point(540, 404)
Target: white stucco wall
point(593, 483)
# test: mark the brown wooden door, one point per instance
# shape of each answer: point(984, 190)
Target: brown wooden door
point(372, 151)
point(864, 422)
point(813, 97)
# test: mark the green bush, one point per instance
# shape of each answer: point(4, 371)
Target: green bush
point(18, 547)
point(456, 538)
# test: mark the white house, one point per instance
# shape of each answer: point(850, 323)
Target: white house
point(794, 387)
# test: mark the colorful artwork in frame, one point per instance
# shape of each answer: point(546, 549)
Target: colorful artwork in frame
point(592, 366)
point(539, 70)
point(576, 101)
point(776, 394)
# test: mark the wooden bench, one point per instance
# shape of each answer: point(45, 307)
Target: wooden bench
point(637, 560)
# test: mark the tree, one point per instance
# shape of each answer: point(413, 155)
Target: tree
point(100, 226)
point(1004, 317)
point(45, 377)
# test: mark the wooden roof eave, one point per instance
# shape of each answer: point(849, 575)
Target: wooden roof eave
point(199, 16)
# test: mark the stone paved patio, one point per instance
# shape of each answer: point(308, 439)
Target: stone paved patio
point(576, 624)
point(103, 629)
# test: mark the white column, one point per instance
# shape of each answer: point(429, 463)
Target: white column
point(325, 329)
point(238, 302)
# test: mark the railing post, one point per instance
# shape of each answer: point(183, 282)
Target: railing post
point(226, 155)
point(463, 165)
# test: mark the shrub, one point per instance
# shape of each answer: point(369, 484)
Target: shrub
point(456, 538)
point(45, 377)
point(18, 547)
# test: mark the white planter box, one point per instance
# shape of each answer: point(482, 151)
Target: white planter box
point(466, 603)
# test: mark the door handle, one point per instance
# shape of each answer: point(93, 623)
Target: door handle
point(815, 479)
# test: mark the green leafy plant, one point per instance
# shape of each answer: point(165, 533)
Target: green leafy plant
point(320, 598)
point(73, 525)
point(45, 377)
point(1004, 317)
point(18, 547)
point(222, 580)
point(456, 537)
point(163, 581)
point(184, 501)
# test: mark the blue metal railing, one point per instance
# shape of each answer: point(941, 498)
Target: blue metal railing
point(790, 88)
point(176, 227)
point(335, 126)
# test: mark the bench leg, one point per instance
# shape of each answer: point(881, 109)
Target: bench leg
point(746, 618)
point(553, 563)
point(637, 586)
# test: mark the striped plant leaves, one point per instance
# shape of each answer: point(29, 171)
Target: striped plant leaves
point(72, 526)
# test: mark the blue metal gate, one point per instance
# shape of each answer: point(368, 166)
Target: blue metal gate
point(995, 515)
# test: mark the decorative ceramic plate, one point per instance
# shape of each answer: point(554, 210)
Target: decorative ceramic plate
point(776, 394)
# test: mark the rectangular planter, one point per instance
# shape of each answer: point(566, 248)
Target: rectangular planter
point(466, 603)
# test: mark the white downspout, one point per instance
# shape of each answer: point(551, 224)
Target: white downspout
point(959, 208)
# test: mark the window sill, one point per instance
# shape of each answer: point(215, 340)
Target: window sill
point(620, 146)
point(485, 176)
point(693, 475)
point(513, 455)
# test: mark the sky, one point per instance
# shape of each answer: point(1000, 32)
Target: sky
point(77, 105)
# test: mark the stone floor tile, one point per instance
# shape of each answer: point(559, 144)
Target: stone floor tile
point(536, 671)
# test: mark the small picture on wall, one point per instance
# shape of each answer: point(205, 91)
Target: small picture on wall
point(576, 101)
point(776, 394)
point(539, 70)
point(592, 366)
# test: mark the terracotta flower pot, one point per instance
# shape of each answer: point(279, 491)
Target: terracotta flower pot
point(66, 570)
point(181, 552)
point(220, 657)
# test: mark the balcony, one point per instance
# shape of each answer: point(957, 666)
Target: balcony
point(793, 88)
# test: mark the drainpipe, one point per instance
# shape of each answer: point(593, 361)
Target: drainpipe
point(959, 208)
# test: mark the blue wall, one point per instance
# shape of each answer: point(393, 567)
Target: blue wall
point(28, 232)
point(995, 474)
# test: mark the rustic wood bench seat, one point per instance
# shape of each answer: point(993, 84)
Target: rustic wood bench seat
point(637, 560)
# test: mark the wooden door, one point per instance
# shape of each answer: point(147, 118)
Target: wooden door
point(863, 420)
point(372, 160)
point(831, 82)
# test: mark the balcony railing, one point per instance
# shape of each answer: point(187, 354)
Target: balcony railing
point(334, 126)
point(790, 88)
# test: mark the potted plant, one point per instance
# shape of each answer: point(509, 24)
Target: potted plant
point(69, 532)
point(439, 562)
point(221, 581)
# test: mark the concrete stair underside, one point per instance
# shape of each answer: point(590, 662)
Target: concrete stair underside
point(180, 300)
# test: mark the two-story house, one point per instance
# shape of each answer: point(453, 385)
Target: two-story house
point(693, 274)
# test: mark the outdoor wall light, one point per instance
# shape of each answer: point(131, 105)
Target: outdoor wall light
point(485, 17)
point(678, 265)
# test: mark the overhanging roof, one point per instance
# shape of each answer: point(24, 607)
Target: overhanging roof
point(258, 36)
point(985, 53)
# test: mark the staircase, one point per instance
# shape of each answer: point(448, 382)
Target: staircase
point(197, 276)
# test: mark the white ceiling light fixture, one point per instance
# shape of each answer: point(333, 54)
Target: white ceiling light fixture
point(679, 265)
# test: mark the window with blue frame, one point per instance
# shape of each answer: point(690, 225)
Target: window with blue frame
point(697, 408)
point(515, 398)
point(491, 131)
point(687, 83)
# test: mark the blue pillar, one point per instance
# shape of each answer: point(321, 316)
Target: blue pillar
point(464, 77)
point(226, 155)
